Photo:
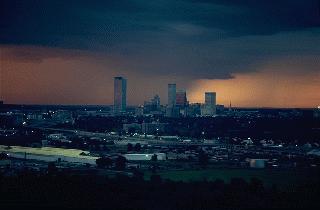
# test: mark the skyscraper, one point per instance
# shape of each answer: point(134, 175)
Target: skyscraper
point(210, 98)
point(181, 98)
point(152, 106)
point(171, 95)
point(156, 101)
point(209, 107)
point(120, 94)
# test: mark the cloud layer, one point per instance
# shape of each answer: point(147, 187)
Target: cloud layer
point(163, 40)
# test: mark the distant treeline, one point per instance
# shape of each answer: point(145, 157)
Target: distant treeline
point(61, 190)
point(302, 129)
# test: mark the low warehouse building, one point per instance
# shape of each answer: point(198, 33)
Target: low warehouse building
point(139, 157)
point(257, 163)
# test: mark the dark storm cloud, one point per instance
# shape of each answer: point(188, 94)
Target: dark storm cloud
point(196, 39)
point(269, 16)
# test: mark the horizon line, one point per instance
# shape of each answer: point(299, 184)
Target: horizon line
point(237, 107)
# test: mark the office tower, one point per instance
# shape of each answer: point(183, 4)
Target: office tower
point(120, 94)
point(152, 106)
point(171, 95)
point(156, 101)
point(209, 107)
point(210, 98)
point(181, 98)
point(194, 109)
point(172, 111)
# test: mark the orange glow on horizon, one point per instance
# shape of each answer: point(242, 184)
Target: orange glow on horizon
point(34, 75)
point(262, 89)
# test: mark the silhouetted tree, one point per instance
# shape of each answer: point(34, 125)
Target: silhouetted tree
point(238, 184)
point(129, 147)
point(154, 157)
point(203, 158)
point(137, 147)
point(121, 162)
point(72, 191)
point(52, 169)
point(156, 179)
point(103, 162)
point(3, 156)
point(256, 185)
point(137, 174)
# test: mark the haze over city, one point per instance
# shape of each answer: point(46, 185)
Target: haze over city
point(254, 53)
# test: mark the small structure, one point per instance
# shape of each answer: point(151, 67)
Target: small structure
point(4, 160)
point(257, 163)
point(169, 138)
point(140, 157)
point(5, 163)
point(315, 152)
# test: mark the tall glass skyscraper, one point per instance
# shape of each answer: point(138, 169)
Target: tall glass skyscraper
point(209, 107)
point(171, 95)
point(210, 98)
point(181, 98)
point(120, 94)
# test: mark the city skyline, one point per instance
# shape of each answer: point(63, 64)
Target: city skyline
point(199, 99)
point(255, 54)
point(196, 96)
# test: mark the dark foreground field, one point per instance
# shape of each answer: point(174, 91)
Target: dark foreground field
point(59, 190)
point(283, 178)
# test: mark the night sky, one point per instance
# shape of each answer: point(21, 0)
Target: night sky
point(257, 53)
